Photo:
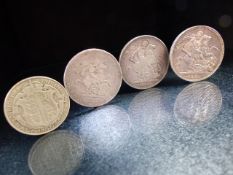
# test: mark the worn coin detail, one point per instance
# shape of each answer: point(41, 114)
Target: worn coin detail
point(36, 105)
point(93, 77)
point(144, 62)
point(197, 53)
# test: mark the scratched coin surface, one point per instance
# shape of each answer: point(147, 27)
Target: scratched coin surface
point(36, 105)
point(144, 62)
point(93, 77)
point(197, 53)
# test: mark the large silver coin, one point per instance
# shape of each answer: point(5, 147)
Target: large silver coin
point(197, 53)
point(93, 77)
point(144, 62)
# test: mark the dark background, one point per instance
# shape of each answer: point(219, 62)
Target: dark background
point(40, 37)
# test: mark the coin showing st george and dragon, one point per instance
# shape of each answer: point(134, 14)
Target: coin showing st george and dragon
point(93, 77)
point(197, 53)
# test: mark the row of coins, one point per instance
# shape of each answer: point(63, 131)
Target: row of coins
point(93, 77)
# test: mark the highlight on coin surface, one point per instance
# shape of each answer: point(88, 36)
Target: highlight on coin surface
point(197, 53)
point(36, 105)
point(93, 77)
point(144, 61)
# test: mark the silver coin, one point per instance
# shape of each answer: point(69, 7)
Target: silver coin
point(93, 77)
point(144, 62)
point(197, 53)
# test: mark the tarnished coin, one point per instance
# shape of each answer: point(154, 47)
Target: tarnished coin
point(93, 77)
point(144, 62)
point(197, 53)
point(36, 105)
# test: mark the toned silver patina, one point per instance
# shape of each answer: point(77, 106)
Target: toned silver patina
point(36, 105)
point(93, 77)
point(144, 62)
point(197, 53)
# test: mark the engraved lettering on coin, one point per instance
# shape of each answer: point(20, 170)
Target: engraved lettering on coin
point(58, 153)
point(144, 62)
point(93, 77)
point(36, 105)
point(198, 103)
point(197, 53)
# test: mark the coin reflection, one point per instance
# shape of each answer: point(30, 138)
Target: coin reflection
point(106, 129)
point(198, 103)
point(59, 153)
point(148, 110)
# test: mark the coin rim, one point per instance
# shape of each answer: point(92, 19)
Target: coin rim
point(66, 111)
point(130, 42)
point(218, 35)
point(76, 56)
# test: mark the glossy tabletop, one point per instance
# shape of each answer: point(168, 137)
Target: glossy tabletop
point(176, 128)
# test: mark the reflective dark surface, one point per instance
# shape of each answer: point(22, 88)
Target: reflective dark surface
point(177, 128)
